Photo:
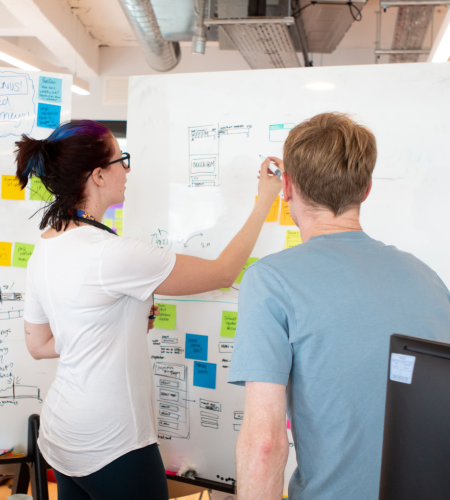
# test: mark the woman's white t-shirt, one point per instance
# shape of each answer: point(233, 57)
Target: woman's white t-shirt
point(94, 289)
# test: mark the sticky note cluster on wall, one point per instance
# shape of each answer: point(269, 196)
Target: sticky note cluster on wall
point(114, 218)
point(167, 316)
point(50, 91)
point(20, 256)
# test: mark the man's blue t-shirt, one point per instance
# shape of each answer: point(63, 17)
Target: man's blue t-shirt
point(318, 318)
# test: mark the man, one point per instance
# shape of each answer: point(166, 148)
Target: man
point(315, 322)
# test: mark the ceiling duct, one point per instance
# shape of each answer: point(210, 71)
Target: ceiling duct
point(263, 45)
point(326, 23)
point(410, 30)
point(160, 54)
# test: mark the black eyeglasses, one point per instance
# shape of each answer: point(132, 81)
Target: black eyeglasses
point(125, 160)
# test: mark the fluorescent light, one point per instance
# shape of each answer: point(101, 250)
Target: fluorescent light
point(79, 90)
point(320, 86)
point(441, 47)
point(16, 62)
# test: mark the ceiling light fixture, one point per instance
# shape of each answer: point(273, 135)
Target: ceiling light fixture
point(441, 47)
point(17, 62)
point(79, 90)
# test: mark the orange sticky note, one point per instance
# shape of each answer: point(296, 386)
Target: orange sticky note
point(11, 189)
point(285, 217)
point(5, 253)
point(274, 210)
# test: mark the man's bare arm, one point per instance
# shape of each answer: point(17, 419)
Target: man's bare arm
point(263, 447)
point(40, 341)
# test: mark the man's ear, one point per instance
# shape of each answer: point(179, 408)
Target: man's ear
point(368, 190)
point(287, 186)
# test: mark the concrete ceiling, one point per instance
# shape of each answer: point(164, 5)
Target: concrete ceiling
point(68, 33)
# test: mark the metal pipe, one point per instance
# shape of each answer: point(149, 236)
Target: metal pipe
point(160, 54)
point(407, 3)
point(382, 52)
point(265, 20)
point(199, 39)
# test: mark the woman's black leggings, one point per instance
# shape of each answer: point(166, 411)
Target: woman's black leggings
point(137, 474)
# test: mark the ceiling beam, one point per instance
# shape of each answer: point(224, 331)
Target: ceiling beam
point(57, 27)
point(29, 58)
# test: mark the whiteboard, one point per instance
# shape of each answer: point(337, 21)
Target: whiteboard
point(195, 141)
point(27, 99)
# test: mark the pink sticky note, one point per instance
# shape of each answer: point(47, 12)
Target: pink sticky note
point(288, 424)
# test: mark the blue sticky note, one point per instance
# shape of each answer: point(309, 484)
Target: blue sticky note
point(49, 115)
point(196, 347)
point(205, 374)
point(50, 89)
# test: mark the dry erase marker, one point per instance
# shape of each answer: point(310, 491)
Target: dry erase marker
point(274, 169)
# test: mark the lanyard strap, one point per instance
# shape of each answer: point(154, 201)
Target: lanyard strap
point(89, 219)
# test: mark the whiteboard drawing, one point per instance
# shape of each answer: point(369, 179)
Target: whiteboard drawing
point(204, 152)
point(17, 106)
point(11, 390)
point(14, 301)
point(173, 400)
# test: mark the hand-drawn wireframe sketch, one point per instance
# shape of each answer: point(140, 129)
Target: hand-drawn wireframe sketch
point(208, 418)
point(204, 152)
point(17, 311)
point(167, 340)
point(226, 347)
point(12, 390)
point(171, 350)
point(238, 415)
point(237, 427)
point(173, 400)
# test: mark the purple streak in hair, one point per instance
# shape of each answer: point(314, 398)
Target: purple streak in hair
point(79, 127)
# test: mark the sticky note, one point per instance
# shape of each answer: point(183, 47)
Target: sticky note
point(225, 289)
point(119, 213)
point(196, 347)
point(274, 210)
point(229, 322)
point(288, 424)
point(22, 254)
point(38, 191)
point(293, 239)
point(49, 115)
point(205, 374)
point(167, 317)
point(11, 189)
point(118, 224)
point(402, 368)
point(241, 274)
point(50, 89)
point(5, 253)
point(119, 232)
point(110, 213)
point(285, 217)
point(108, 222)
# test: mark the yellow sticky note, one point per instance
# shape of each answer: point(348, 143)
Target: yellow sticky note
point(229, 323)
point(5, 253)
point(22, 254)
point(118, 224)
point(11, 189)
point(167, 316)
point(274, 210)
point(225, 289)
point(38, 191)
point(293, 239)
point(119, 232)
point(248, 263)
point(119, 213)
point(285, 217)
point(108, 222)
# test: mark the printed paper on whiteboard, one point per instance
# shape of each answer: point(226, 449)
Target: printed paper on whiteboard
point(402, 368)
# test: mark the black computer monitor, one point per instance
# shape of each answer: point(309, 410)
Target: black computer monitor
point(416, 443)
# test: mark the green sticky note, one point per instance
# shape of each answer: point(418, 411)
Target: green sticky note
point(225, 289)
point(108, 222)
point(167, 317)
point(119, 213)
point(229, 322)
point(22, 254)
point(241, 274)
point(38, 191)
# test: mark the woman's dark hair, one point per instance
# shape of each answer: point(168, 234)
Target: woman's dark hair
point(62, 162)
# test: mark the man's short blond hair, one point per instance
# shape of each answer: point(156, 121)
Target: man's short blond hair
point(331, 159)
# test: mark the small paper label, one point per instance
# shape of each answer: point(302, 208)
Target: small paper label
point(402, 368)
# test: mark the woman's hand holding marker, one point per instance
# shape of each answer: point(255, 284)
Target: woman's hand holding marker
point(151, 322)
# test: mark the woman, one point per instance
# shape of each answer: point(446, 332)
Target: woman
point(88, 298)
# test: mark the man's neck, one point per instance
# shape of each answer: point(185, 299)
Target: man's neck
point(313, 222)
